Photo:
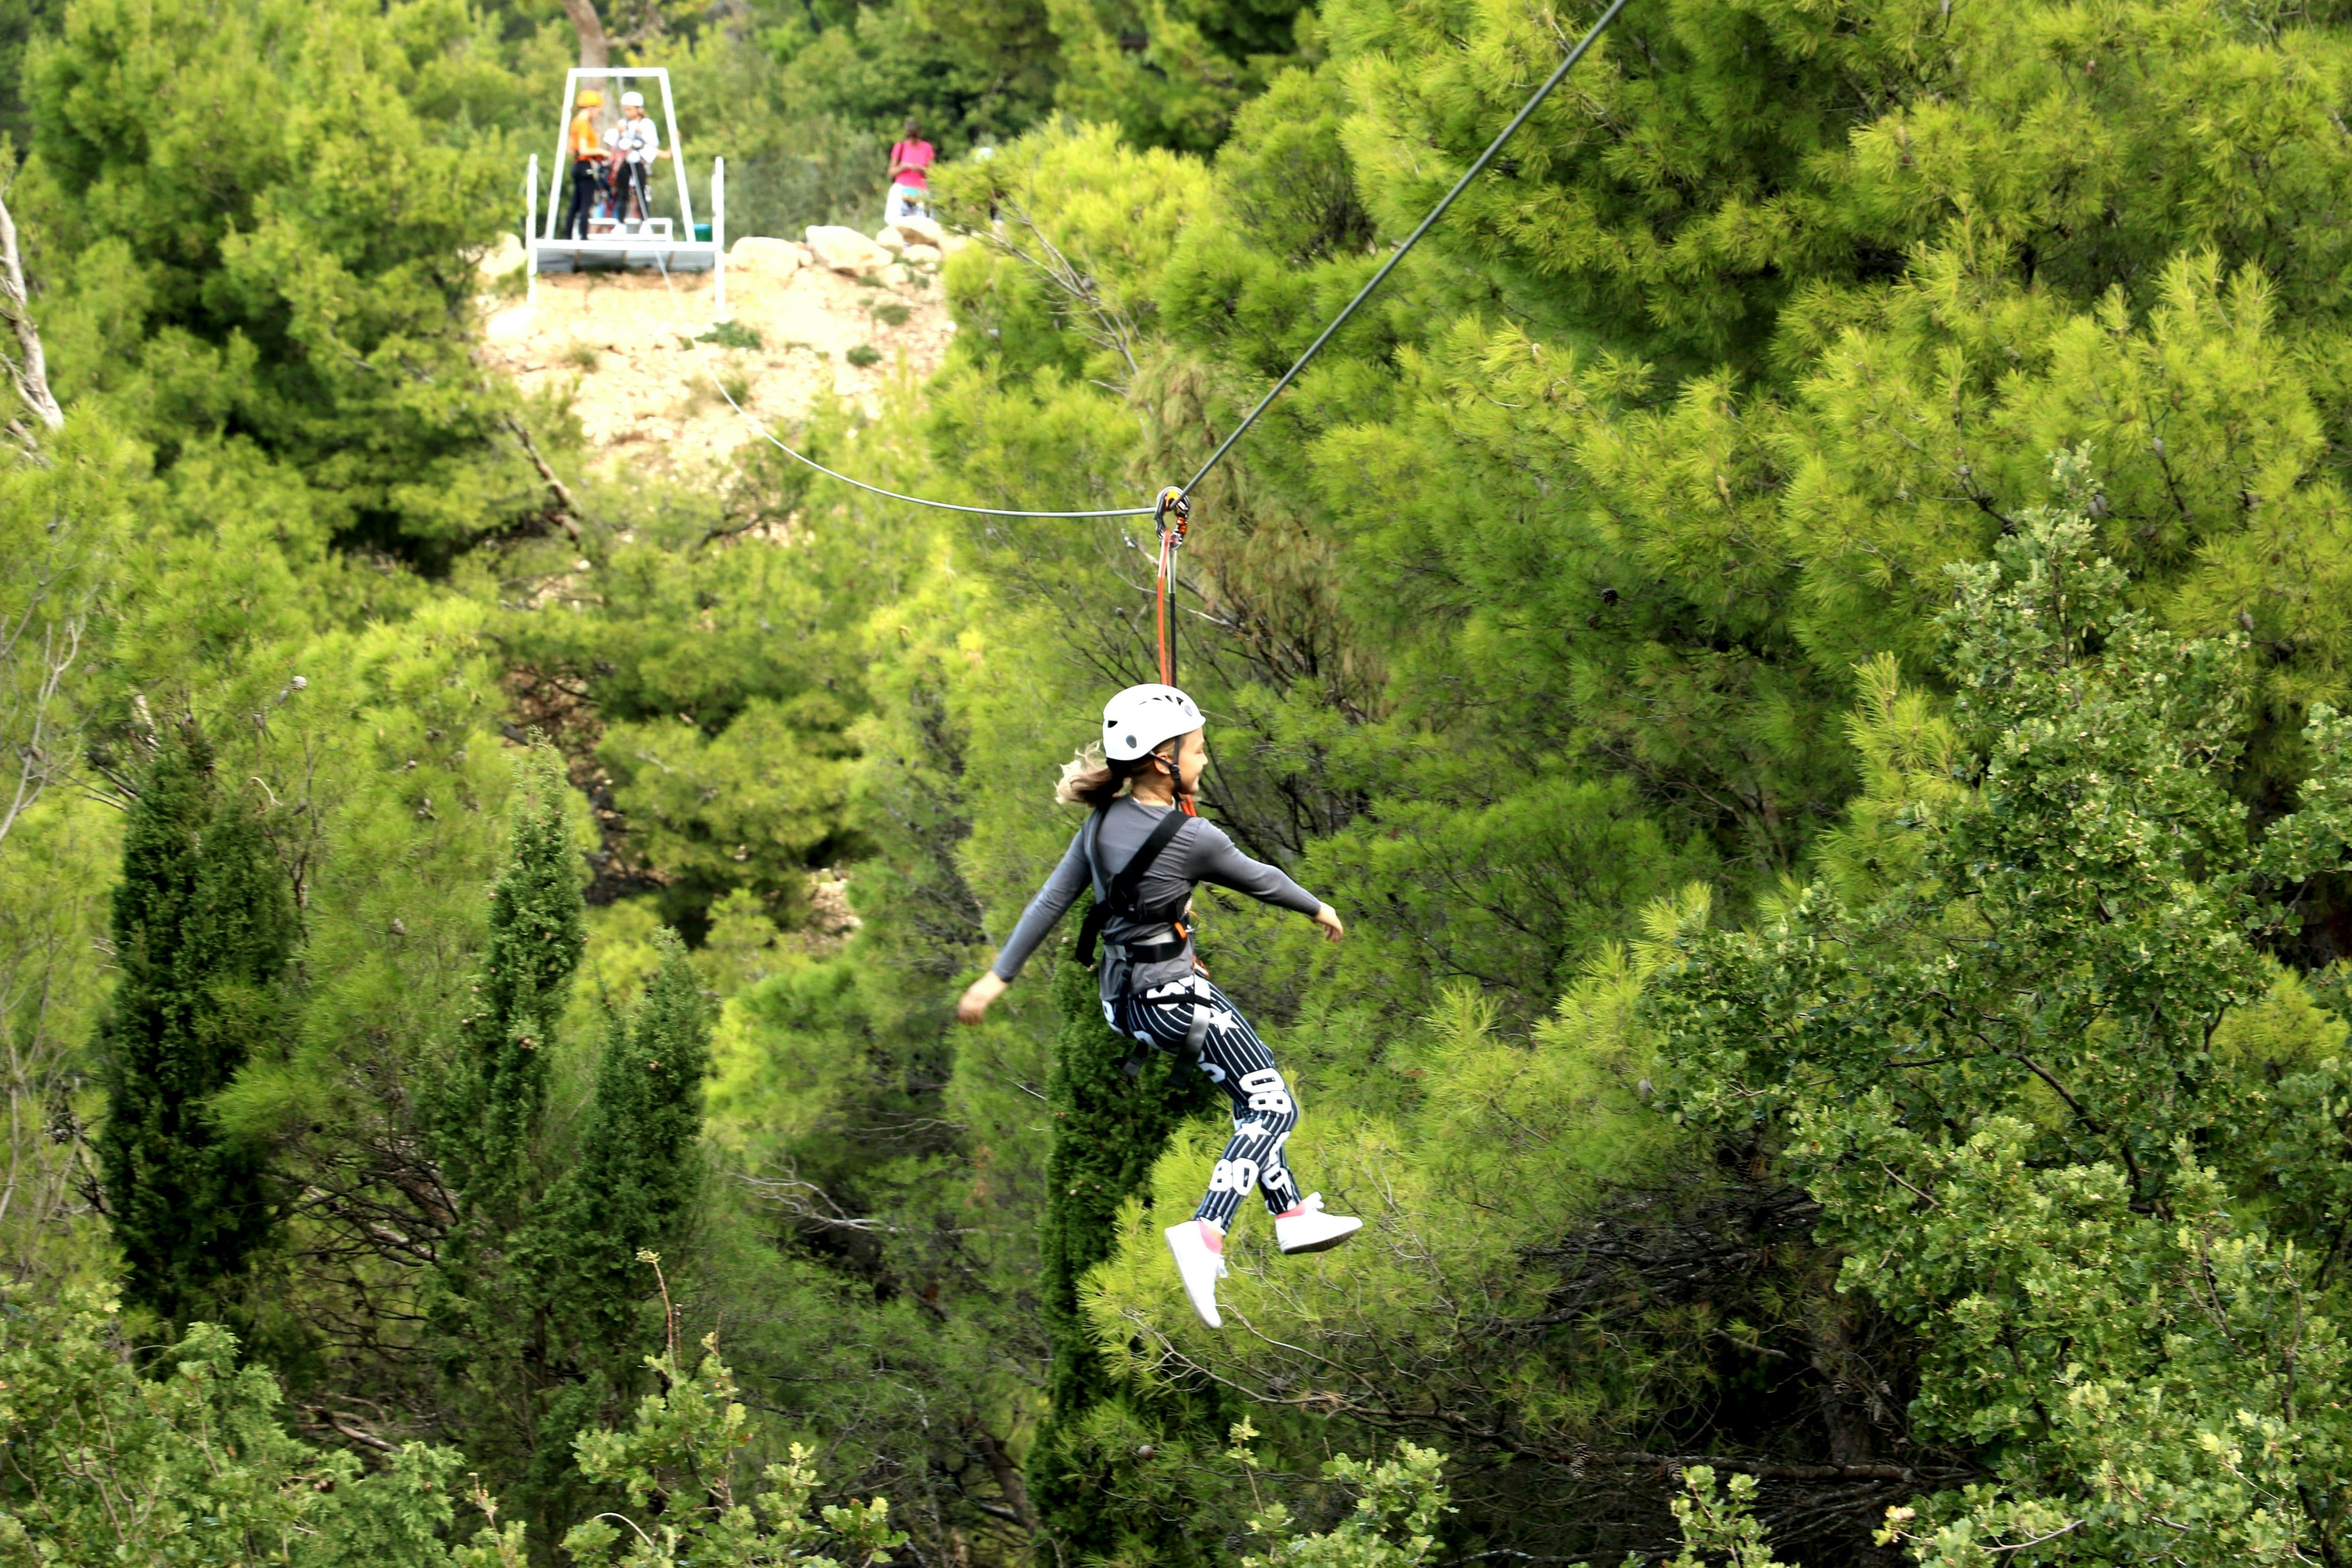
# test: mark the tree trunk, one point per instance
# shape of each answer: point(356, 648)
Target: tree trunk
point(29, 371)
point(1847, 1401)
point(596, 53)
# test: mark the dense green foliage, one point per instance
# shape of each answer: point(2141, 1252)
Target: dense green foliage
point(190, 1464)
point(632, 1187)
point(239, 297)
point(204, 929)
point(2009, 1041)
point(1804, 635)
point(673, 1462)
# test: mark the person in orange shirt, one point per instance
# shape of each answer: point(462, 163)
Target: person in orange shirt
point(586, 149)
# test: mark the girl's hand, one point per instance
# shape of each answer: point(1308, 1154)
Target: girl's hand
point(1329, 918)
point(977, 996)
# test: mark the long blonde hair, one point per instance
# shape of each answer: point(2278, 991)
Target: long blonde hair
point(1091, 781)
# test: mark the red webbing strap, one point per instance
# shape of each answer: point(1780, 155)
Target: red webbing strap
point(1160, 598)
point(1175, 518)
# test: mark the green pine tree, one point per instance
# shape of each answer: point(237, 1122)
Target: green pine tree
point(494, 1094)
point(638, 1170)
point(2064, 1116)
point(491, 1333)
point(1108, 1129)
point(204, 929)
point(299, 254)
point(629, 1194)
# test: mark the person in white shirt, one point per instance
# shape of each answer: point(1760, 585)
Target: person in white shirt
point(634, 144)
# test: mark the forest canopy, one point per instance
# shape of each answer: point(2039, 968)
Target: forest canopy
point(1804, 631)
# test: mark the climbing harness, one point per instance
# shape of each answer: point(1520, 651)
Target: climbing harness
point(1118, 898)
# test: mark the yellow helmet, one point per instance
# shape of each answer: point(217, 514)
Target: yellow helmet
point(590, 98)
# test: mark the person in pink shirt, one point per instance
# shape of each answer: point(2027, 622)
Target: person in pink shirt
point(910, 194)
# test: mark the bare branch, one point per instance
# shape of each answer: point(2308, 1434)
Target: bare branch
point(29, 370)
point(48, 590)
point(567, 510)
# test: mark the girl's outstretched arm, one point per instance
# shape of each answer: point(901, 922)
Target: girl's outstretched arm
point(1217, 859)
point(1053, 900)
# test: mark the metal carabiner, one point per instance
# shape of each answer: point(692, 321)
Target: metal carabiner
point(1173, 502)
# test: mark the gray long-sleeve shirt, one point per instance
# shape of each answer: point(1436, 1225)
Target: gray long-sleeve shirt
point(1198, 853)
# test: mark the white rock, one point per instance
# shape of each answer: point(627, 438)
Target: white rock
point(918, 230)
point(890, 240)
point(954, 243)
point(758, 253)
point(922, 253)
point(844, 249)
point(507, 255)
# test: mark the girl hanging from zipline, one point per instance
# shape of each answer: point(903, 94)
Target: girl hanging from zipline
point(1143, 852)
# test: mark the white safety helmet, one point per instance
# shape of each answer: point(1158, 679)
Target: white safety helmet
point(632, 100)
point(1141, 717)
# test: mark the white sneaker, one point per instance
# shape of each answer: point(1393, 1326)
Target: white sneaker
point(1312, 1230)
point(1199, 1267)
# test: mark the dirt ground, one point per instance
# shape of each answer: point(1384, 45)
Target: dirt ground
point(622, 344)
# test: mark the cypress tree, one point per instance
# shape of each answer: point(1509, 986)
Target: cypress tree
point(638, 1170)
point(1108, 1131)
point(632, 1190)
point(494, 1352)
point(204, 927)
point(541, 1277)
point(493, 1096)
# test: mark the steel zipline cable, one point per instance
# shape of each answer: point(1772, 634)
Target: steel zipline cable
point(769, 437)
point(1174, 497)
point(1364, 293)
point(1172, 509)
point(925, 501)
point(895, 495)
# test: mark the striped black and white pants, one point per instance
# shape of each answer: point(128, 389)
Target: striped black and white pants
point(1237, 1061)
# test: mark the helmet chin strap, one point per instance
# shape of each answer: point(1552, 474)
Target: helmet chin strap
point(1176, 790)
point(1176, 783)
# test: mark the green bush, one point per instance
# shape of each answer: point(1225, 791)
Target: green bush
point(731, 335)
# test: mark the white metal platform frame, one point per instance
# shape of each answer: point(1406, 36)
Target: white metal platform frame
point(656, 245)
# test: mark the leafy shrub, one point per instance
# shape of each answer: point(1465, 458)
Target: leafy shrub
point(733, 335)
point(108, 1466)
point(1398, 1504)
point(674, 1462)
